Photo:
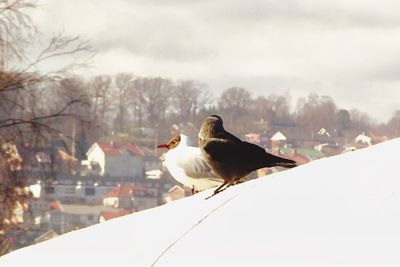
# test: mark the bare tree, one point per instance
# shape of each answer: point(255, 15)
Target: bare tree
point(188, 97)
point(100, 104)
point(275, 108)
point(360, 121)
point(343, 122)
point(234, 103)
point(76, 127)
point(123, 98)
point(394, 124)
point(316, 112)
point(16, 29)
point(281, 107)
point(153, 97)
point(24, 116)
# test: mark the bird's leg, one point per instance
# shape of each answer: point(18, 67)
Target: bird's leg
point(219, 189)
point(194, 191)
point(226, 184)
point(239, 181)
point(232, 183)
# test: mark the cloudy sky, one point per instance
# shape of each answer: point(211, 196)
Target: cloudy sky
point(348, 49)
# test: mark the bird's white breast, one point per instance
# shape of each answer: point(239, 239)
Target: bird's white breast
point(185, 156)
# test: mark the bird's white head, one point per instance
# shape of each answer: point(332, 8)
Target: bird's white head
point(177, 140)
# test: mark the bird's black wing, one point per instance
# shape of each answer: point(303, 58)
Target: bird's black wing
point(244, 153)
point(227, 136)
point(220, 149)
point(259, 157)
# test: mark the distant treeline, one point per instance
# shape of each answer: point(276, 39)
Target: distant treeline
point(124, 103)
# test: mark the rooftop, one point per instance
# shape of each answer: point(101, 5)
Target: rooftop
point(120, 149)
point(78, 209)
point(124, 190)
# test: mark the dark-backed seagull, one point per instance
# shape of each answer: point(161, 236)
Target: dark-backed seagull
point(230, 157)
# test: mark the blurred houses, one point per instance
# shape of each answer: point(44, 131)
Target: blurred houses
point(135, 196)
point(300, 144)
point(114, 180)
point(253, 138)
point(152, 163)
point(108, 215)
point(362, 141)
point(175, 193)
point(45, 236)
point(67, 217)
point(116, 160)
point(278, 140)
point(120, 197)
point(61, 217)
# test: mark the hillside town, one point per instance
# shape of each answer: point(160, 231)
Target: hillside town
point(78, 146)
point(117, 179)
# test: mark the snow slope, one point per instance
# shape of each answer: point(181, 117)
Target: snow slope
point(339, 211)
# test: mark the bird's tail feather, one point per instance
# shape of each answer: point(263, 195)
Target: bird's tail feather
point(291, 164)
point(283, 162)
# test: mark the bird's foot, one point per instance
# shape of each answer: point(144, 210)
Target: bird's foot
point(194, 191)
point(225, 186)
point(218, 190)
point(235, 183)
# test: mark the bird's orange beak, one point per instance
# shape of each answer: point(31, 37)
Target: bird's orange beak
point(163, 146)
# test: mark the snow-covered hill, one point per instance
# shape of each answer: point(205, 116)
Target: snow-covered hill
point(339, 211)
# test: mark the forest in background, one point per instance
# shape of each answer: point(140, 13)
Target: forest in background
point(121, 106)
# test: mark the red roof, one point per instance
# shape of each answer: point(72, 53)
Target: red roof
point(55, 205)
point(125, 190)
point(108, 215)
point(65, 156)
point(300, 159)
point(118, 150)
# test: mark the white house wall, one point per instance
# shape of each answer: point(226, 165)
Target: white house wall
point(123, 166)
point(96, 154)
point(150, 165)
point(110, 202)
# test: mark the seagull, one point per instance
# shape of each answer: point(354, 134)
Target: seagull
point(230, 157)
point(187, 164)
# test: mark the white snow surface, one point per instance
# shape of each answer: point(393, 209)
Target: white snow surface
point(338, 211)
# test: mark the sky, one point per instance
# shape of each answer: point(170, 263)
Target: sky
point(347, 49)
